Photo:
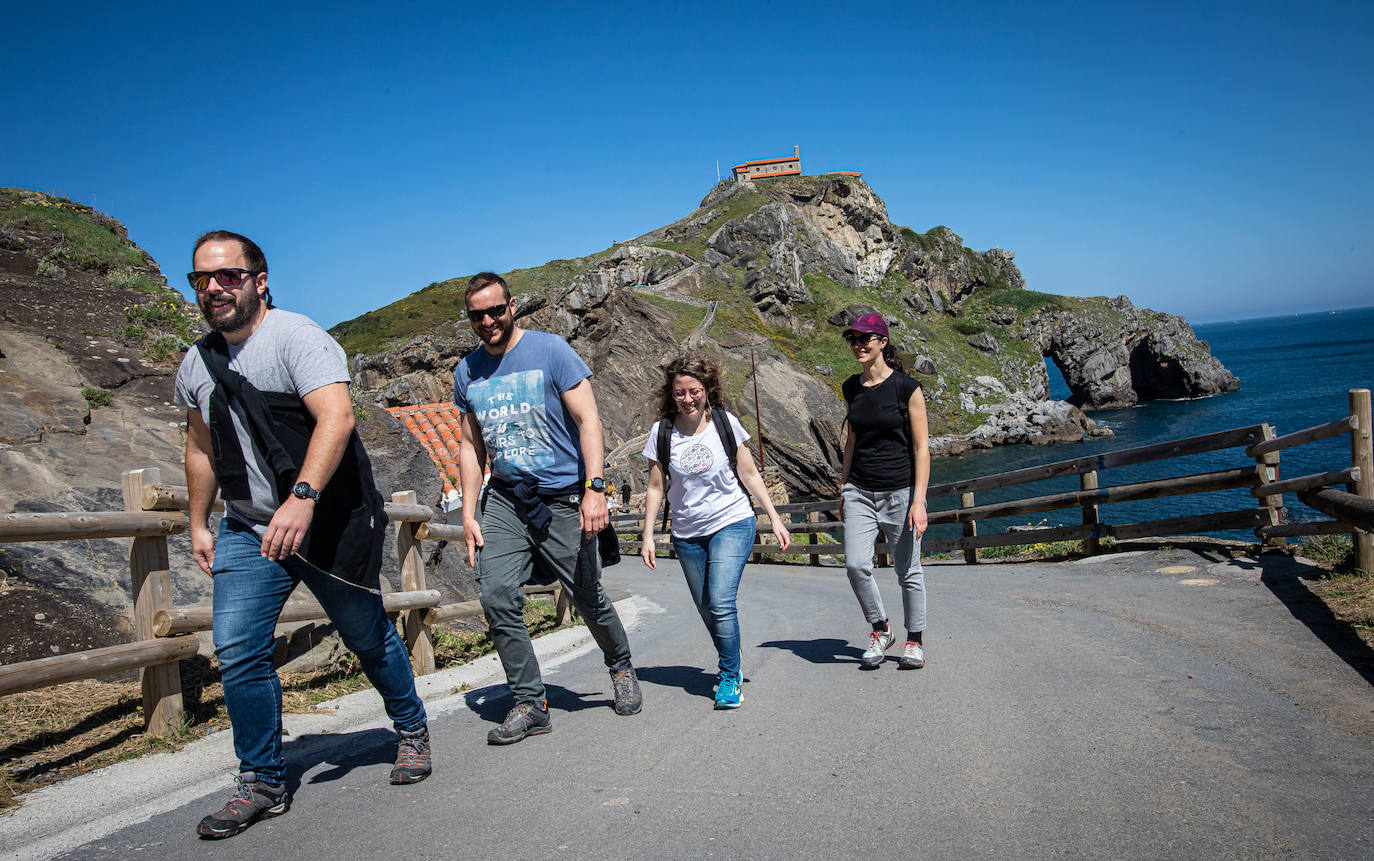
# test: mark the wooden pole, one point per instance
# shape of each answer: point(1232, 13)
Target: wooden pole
point(150, 581)
point(1268, 464)
point(45, 672)
point(415, 631)
point(1088, 481)
point(813, 539)
point(1362, 459)
point(970, 529)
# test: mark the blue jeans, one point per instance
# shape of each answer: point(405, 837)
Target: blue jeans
point(250, 590)
point(713, 565)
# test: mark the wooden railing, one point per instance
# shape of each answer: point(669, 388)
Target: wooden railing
point(165, 633)
point(1351, 510)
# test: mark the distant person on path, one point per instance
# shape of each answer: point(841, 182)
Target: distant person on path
point(270, 427)
point(526, 400)
point(883, 484)
point(713, 524)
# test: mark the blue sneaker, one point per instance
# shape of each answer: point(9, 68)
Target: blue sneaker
point(728, 693)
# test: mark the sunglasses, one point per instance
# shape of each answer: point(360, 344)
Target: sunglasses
point(229, 277)
point(687, 394)
point(859, 338)
point(495, 312)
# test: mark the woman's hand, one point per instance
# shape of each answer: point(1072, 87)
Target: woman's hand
point(916, 518)
point(780, 532)
point(646, 551)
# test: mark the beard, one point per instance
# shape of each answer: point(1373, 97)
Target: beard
point(245, 309)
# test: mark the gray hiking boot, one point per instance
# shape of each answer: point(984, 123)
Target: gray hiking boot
point(253, 800)
point(625, 684)
point(525, 719)
point(412, 757)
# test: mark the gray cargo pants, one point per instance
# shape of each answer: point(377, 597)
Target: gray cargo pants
point(504, 564)
point(865, 512)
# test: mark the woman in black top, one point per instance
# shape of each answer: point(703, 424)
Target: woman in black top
point(883, 482)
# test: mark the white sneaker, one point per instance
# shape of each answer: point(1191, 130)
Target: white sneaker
point(913, 656)
point(878, 642)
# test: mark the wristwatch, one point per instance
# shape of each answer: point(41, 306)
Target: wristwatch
point(303, 490)
point(598, 484)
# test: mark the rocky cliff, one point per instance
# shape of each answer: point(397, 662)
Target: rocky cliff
point(766, 274)
point(90, 338)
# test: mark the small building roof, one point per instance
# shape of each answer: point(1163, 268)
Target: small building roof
point(438, 427)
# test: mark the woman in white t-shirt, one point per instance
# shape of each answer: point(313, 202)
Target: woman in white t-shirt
point(713, 522)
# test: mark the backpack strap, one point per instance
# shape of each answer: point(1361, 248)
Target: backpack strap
point(721, 419)
point(665, 442)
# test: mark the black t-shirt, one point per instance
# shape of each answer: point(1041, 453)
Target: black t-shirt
point(882, 432)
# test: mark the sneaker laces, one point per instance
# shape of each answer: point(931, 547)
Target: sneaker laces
point(875, 641)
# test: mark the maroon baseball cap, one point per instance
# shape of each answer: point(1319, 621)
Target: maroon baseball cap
point(870, 324)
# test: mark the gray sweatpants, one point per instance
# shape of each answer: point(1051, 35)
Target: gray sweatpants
point(865, 512)
point(510, 547)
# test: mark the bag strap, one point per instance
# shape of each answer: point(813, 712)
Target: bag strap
point(665, 445)
point(721, 419)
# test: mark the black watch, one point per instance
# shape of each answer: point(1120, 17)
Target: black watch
point(598, 484)
point(303, 490)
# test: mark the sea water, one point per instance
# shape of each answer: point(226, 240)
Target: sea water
point(1295, 372)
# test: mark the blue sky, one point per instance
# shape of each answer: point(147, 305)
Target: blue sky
point(1205, 159)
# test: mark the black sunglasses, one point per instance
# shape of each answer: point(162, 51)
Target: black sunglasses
point(495, 312)
point(228, 277)
point(857, 338)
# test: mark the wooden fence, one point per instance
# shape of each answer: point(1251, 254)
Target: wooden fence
point(165, 632)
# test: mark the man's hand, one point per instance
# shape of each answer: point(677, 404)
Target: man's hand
point(287, 530)
point(203, 548)
point(593, 513)
point(472, 534)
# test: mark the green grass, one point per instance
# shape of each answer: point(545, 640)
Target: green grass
point(132, 279)
point(694, 245)
point(442, 303)
point(95, 397)
point(1336, 550)
point(82, 242)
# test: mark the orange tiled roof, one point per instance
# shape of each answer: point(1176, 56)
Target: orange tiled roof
point(438, 428)
point(795, 158)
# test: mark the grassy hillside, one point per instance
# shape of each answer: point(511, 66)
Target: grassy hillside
point(811, 342)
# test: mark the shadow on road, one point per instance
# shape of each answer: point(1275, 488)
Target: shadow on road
point(344, 751)
point(693, 680)
point(1339, 636)
point(492, 702)
point(825, 651)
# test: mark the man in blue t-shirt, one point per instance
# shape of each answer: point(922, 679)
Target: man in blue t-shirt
point(526, 401)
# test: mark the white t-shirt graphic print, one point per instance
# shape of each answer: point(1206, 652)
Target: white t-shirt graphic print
point(704, 494)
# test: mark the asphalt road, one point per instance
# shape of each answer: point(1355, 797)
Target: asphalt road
point(1160, 705)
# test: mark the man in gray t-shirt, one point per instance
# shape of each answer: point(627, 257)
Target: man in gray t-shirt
point(270, 423)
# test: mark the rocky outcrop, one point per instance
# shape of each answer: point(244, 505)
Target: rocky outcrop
point(777, 268)
point(1113, 354)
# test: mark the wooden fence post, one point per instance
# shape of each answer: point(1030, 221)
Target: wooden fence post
point(1362, 458)
point(1088, 481)
point(150, 580)
point(813, 538)
point(415, 631)
point(970, 529)
point(1268, 464)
